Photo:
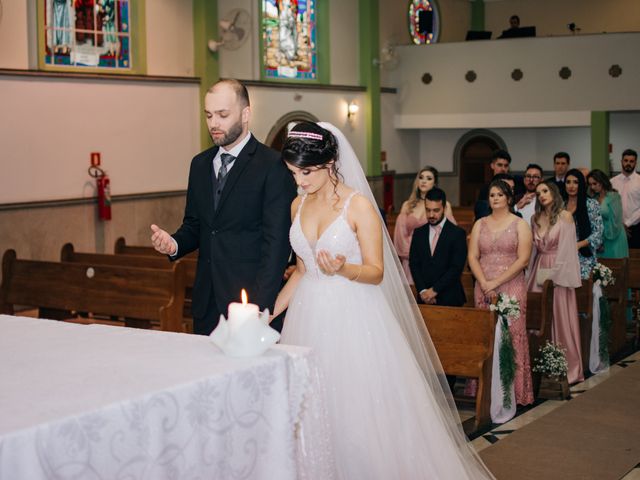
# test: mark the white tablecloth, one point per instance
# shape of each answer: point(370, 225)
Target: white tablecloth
point(98, 402)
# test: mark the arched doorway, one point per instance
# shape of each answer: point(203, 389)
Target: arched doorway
point(278, 133)
point(473, 154)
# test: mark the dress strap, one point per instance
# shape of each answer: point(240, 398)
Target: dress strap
point(345, 207)
point(304, 197)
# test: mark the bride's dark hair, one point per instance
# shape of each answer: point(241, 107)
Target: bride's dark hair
point(310, 145)
point(315, 150)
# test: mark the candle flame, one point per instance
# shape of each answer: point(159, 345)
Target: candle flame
point(244, 296)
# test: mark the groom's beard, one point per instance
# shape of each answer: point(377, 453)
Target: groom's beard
point(229, 136)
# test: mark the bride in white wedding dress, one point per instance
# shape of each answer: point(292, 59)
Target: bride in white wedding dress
point(391, 415)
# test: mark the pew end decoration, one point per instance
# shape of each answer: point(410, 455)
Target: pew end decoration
point(552, 364)
point(601, 327)
point(246, 332)
point(602, 275)
point(507, 308)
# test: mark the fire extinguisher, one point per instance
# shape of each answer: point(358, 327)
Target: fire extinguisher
point(103, 187)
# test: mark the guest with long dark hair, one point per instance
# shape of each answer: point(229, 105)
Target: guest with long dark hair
point(586, 215)
point(614, 237)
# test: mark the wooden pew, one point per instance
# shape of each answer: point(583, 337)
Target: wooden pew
point(68, 254)
point(617, 295)
point(539, 318)
point(634, 285)
point(190, 268)
point(58, 289)
point(121, 248)
point(584, 299)
point(463, 338)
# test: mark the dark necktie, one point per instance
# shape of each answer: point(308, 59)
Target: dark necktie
point(226, 159)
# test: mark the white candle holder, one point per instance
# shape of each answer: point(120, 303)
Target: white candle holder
point(246, 336)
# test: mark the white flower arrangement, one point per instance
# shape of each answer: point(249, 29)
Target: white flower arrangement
point(602, 275)
point(507, 307)
point(552, 361)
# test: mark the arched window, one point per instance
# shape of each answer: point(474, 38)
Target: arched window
point(424, 21)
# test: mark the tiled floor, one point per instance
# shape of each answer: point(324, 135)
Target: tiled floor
point(488, 438)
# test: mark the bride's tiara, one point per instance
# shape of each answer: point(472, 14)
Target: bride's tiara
point(297, 134)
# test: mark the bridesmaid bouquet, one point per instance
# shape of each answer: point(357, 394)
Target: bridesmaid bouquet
point(508, 310)
point(507, 307)
point(552, 361)
point(603, 274)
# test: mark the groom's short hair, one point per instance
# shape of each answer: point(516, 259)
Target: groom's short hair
point(240, 90)
point(436, 195)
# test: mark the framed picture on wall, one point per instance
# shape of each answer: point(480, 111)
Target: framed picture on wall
point(87, 35)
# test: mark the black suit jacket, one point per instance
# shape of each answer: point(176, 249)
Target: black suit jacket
point(244, 243)
point(443, 270)
point(561, 186)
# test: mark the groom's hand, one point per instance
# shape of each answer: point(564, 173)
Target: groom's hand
point(162, 241)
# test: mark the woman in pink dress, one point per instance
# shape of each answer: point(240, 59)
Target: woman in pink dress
point(554, 236)
point(499, 252)
point(413, 215)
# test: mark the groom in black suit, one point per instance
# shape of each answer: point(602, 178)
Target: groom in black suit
point(237, 213)
point(437, 255)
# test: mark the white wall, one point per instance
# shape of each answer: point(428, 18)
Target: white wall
point(170, 37)
point(541, 98)
point(526, 145)
point(14, 35)
point(146, 132)
point(402, 146)
point(624, 130)
point(270, 104)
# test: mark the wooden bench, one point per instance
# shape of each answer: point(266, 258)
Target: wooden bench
point(148, 296)
point(634, 285)
point(190, 260)
point(617, 296)
point(584, 300)
point(539, 323)
point(463, 338)
point(68, 254)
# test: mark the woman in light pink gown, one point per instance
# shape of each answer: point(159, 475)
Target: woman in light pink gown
point(413, 215)
point(554, 236)
point(499, 252)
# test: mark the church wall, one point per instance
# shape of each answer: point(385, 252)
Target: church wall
point(494, 100)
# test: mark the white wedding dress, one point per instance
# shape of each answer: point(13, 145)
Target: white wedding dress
point(384, 417)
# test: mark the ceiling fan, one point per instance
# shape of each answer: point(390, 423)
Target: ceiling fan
point(234, 30)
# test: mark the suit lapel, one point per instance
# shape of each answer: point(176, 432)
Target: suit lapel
point(236, 171)
point(210, 183)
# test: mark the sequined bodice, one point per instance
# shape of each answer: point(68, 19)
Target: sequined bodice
point(337, 238)
point(498, 250)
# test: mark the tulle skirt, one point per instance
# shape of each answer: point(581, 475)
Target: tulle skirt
point(383, 419)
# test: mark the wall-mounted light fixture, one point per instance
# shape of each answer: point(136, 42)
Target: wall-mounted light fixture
point(352, 109)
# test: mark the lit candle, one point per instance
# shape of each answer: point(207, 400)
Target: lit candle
point(241, 312)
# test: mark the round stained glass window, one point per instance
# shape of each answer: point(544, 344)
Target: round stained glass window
point(424, 21)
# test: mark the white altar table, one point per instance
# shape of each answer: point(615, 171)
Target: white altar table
point(98, 402)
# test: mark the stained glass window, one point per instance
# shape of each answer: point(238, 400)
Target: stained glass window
point(87, 33)
point(424, 21)
point(289, 39)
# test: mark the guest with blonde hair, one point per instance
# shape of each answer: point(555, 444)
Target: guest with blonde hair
point(413, 215)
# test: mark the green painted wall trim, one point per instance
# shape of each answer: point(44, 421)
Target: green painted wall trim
point(477, 15)
point(600, 141)
point(323, 33)
point(205, 62)
point(370, 78)
point(138, 43)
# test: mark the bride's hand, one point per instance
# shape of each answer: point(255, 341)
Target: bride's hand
point(330, 265)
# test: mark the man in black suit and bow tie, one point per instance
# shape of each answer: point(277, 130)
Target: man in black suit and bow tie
point(437, 255)
point(237, 213)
